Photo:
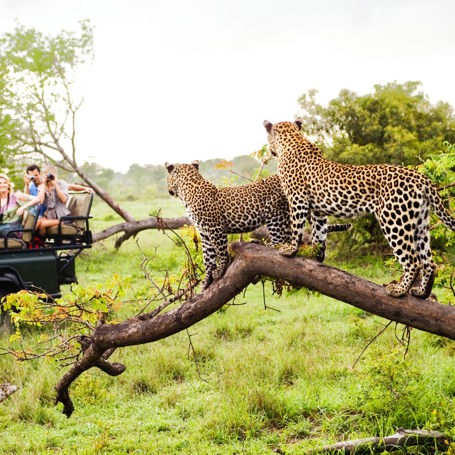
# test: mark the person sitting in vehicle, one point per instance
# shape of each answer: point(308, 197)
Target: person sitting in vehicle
point(53, 193)
point(32, 181)
point(12, 207)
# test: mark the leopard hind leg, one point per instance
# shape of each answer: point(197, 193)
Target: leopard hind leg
point(319, 231)
point(401, 240)
point(424, 283)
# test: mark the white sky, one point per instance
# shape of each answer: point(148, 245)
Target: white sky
point(179, 80)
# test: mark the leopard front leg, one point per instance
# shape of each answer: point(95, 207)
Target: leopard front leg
point(208, 259)
point(424, 282)
point(221, 243)
point(215, 254)
point(299, 208)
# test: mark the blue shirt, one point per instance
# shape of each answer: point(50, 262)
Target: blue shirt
point(34, 192)
point(33, 189)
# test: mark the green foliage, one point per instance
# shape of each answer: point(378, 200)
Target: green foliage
point(395, 124)
point(37, 75)
point(249, 386)
point(440, 168)
point(74, 314)
point(47, 57)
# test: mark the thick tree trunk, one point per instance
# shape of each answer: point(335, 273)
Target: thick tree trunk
point(250, 262)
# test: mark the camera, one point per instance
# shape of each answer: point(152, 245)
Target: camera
point(32, 177)
point(50, 177)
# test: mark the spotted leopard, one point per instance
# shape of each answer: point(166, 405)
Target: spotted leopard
point(217, 212)
point(399, 197)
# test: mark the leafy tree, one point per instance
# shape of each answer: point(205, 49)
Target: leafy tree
point(395, 124)
point(440, 168)
point(36, 90)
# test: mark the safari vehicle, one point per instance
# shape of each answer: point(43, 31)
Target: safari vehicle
point(43, 268)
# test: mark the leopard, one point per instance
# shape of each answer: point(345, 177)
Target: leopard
point(399, 197)
point(217, 212)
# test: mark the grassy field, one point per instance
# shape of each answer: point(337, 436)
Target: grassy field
point(285, 377)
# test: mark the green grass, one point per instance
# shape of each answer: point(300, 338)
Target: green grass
point(259, 378)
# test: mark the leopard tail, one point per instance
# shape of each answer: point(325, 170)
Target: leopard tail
point(438, 208)
point(338, 227)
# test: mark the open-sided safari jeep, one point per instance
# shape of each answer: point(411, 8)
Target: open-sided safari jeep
point(26, 264)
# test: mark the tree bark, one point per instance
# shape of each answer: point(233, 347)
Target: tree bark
point(250, 262)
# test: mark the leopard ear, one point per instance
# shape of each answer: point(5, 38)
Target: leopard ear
point(299, 124)
point(170, 167)
point(267, 125)
point(195, 163)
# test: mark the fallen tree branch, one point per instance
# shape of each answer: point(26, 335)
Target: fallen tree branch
point(402, 438)
point(250, 262)
point(6, 390)
point(131, 228)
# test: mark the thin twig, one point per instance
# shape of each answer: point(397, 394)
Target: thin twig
point(371, 342)
point(192, 350)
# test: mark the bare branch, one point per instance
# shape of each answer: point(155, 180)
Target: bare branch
point(130, 229)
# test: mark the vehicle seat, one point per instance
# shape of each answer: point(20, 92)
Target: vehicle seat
point(28, 227)
point(74, 228)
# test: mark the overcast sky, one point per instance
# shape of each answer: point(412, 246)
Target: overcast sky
point(179, 80)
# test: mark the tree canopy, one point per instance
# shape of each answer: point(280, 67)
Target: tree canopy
point(395, 124)
point(37, 99)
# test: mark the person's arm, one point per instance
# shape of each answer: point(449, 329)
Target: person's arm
point(77, 187)
point(32, 200)
point(62, 190)
point(42, 193)
point(26, 184)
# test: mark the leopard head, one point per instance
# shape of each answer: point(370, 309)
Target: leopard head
point(177, 174)
point(281, 129)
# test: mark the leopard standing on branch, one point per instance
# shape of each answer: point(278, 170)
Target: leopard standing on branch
point(217, 212)
point(399, 197)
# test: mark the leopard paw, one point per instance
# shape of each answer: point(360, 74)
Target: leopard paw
point(287, 250)
point(395, 290)
point(422, 287)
